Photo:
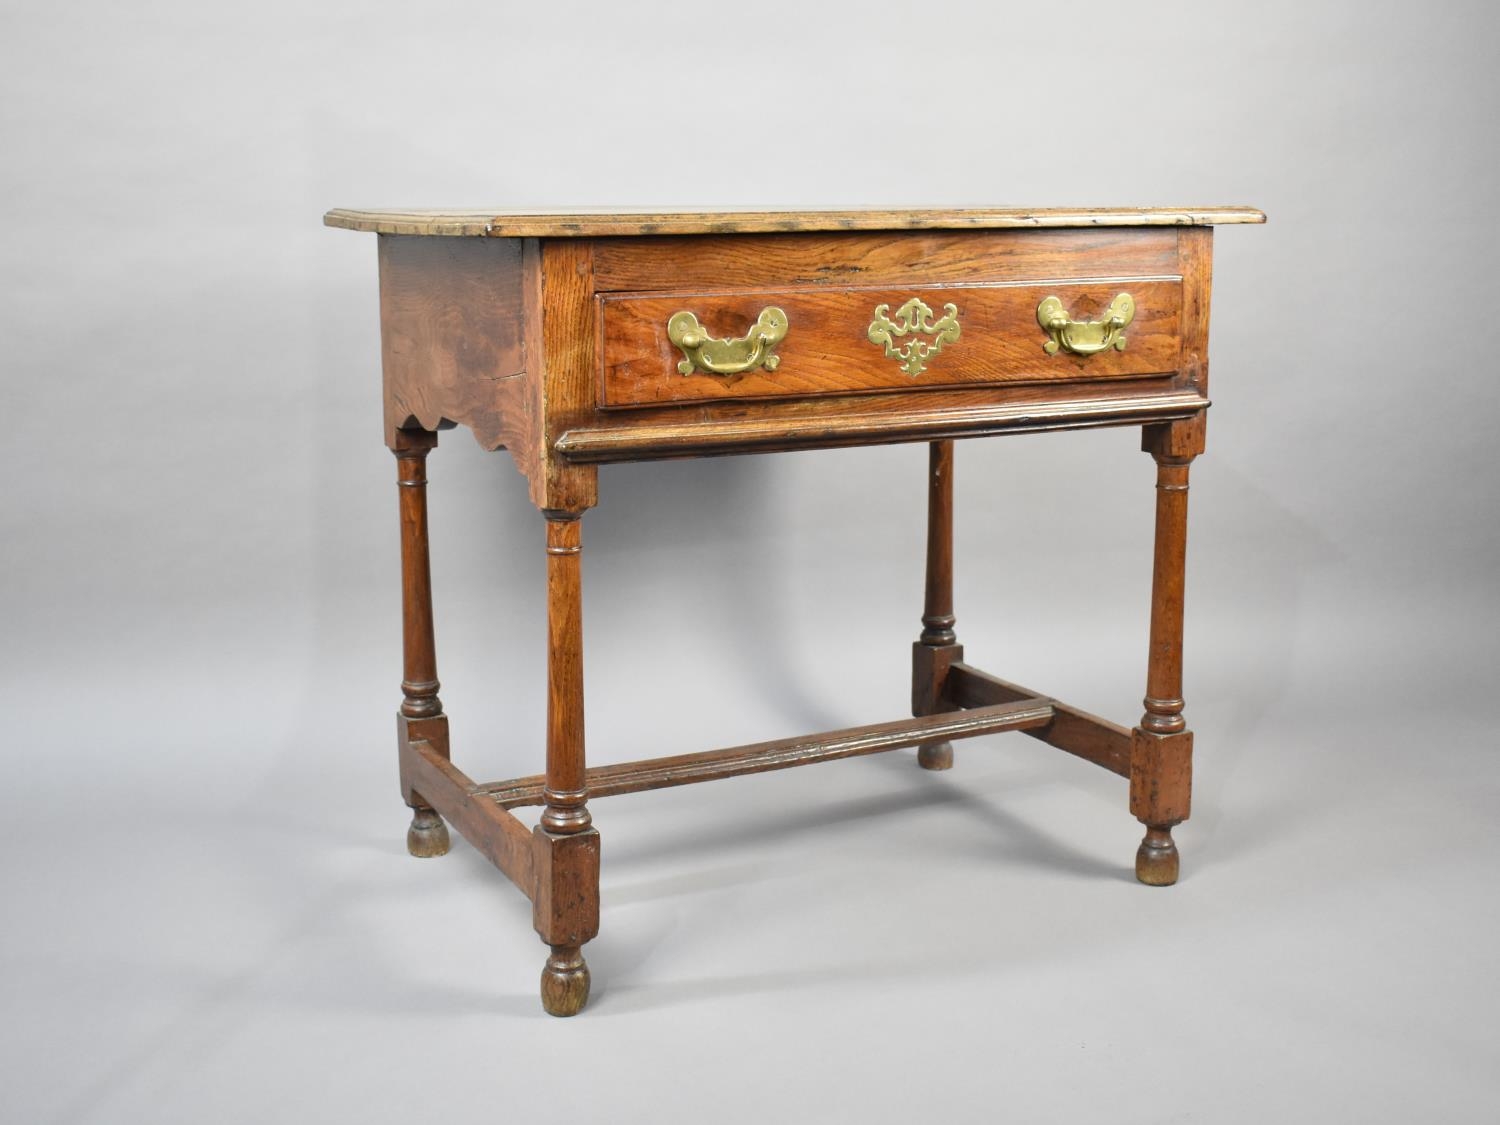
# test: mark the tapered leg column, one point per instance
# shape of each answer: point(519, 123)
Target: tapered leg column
point(938, 646)
point(421, 717)
point(1161, 762)
point(566, 905)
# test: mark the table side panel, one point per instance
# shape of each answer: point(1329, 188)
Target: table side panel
point(453, 349)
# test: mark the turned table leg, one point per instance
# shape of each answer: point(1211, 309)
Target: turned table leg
point(421, 716)
point(938, 645)
point(1161, 757)
point(566, 905)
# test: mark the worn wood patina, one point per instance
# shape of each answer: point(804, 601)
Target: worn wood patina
point(579, 339)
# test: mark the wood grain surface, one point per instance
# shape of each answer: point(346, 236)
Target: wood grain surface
point(1094, 739)
point(594, 223)
point(838, 259)
point(760, 757)
point(829, 421)
point(827, 349)
point(545, 333)
point(452, 337)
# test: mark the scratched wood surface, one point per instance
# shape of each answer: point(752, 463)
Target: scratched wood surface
point(587, 224)
point(452, 342)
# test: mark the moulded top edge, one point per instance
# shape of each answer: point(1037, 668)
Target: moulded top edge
point(606, 223)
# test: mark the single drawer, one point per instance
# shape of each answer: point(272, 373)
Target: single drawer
point(800, 341)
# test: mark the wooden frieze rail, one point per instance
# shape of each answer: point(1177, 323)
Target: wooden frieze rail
point(573, 340)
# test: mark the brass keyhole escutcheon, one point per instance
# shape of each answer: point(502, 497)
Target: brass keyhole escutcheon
point(914, 319)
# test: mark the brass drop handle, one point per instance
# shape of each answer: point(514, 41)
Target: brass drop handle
point(1085, 337)
point(727, 357)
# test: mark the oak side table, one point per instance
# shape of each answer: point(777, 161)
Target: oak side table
point(575, 340)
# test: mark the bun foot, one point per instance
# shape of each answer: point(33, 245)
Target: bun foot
point(565, 982)
point(1156, 859)
point(935, 756)
point(428, 835)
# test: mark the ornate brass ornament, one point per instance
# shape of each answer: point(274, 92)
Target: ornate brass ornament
point(1085, 337)
point(914, 319)
point(727, 357)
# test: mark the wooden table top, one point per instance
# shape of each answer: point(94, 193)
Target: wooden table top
point(602, 223)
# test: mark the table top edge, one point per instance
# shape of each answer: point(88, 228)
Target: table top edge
point(614, 224)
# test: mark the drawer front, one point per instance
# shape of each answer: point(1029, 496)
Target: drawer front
point(818, 341)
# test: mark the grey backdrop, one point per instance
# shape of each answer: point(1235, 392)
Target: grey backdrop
point(209, 913)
